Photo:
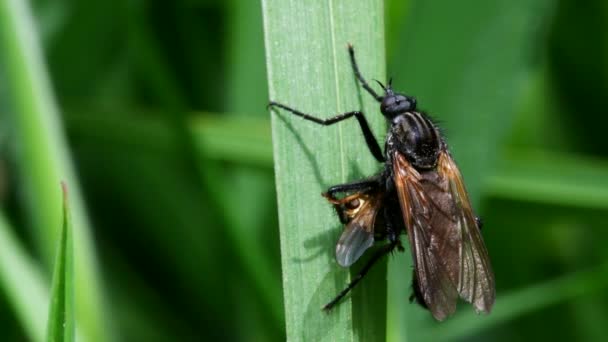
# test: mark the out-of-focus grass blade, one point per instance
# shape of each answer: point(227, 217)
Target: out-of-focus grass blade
point(246, 74)
point(43, 159)
point(236, 139)
point(309, 69)
point(163, 82)
point(551, 178)
point(23, 284)
point(246, 97)
point(151, 144)
point(526, 175)
point(60, 325)
point(521, 302)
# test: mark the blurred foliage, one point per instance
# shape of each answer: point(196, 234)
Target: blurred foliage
point(164, 108)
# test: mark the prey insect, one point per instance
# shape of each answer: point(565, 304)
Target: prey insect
point(419, 191)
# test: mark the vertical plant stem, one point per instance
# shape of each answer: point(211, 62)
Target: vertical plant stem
point(43, 159)
point(308, 68)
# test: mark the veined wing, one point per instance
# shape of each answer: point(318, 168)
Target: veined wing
point(449, 255)
point(359, 210)
point(431, 240)
point(475, 279)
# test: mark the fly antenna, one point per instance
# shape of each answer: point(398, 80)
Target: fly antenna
point(382, 85)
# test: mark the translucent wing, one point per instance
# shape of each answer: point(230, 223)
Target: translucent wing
point(475, 279)
point(449, 255)
point(359, 211)
point(431, 239)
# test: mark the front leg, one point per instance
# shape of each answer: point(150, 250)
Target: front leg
point(371, 141)
point(356, 186)
point(346, 205)
point(353, 62)
point(386, 249)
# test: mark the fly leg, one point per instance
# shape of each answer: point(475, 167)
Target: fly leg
point(371, 141)
point(364, 84)
point(392, 234)
point(349, 201)
point(386, 249)
point(356, 186)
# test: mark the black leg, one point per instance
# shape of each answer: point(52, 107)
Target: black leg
point(371, 141)
point(379, 254)
point(358, 185)
point(388, 225)
point(364, 83)
point(391, 231)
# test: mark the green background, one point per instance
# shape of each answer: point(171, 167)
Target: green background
point(162, 106)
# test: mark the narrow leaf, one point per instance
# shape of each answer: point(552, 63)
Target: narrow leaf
point(529, 175)
point(308, 68)
point(61, 311)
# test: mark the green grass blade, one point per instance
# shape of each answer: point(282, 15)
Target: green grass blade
point(308, 68)
point(60, 325)
point(518, 303)
point(530, 176)
point(43, 159)
point(23, 284)
point(245, 140)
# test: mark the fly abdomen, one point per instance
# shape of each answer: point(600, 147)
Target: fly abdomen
point(415, 136)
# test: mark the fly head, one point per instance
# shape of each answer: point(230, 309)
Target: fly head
point(394, 103)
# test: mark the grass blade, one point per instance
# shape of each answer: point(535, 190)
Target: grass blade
point(521, 302)
point(43, 159)
point(243, 140)
point(308, 68)
point(61, 312)
point(22, 283)
point(528, 175)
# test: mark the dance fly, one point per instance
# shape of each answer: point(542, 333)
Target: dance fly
point(420, 192)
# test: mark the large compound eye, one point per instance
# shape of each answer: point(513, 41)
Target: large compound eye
point(395, 104)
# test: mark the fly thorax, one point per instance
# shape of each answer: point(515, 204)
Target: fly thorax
point(415, 136)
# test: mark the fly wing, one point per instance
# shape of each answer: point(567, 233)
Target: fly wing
point(475, 281)
point(355, 240)
point(432, 241)
point(358, 234)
